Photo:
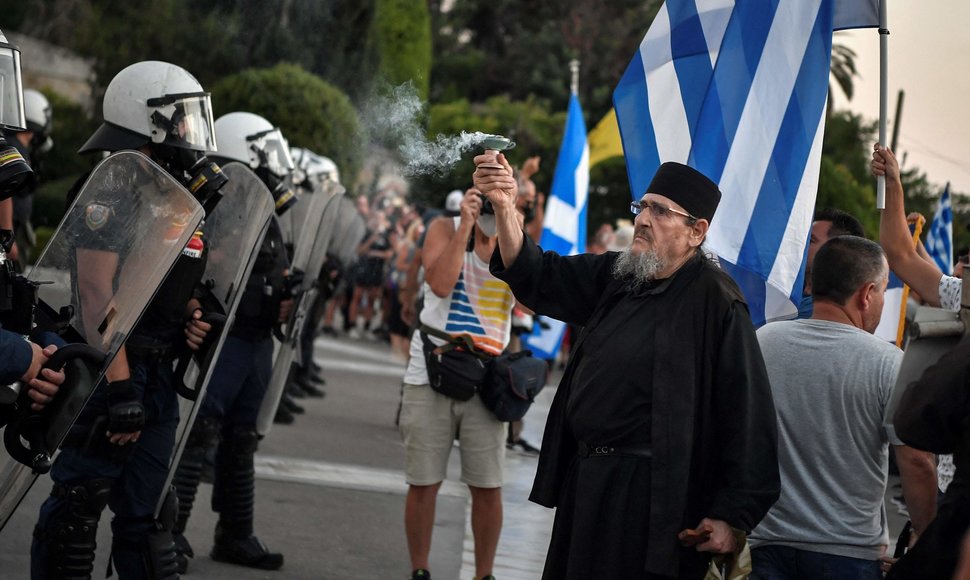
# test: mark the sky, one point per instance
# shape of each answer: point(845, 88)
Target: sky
point(929, 49)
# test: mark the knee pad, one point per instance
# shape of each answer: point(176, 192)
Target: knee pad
point(70, 535)
point(150, 555)
point(205, 433)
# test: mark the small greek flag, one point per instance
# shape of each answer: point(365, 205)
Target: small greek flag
point(737, 90)
point(564, 224)
point(939, 239)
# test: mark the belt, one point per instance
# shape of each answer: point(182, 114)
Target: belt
point(159, 352)
point(586, 450)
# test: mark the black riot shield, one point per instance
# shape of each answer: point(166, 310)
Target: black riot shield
point(233, 232)
point(312, 255)
point(97, 274)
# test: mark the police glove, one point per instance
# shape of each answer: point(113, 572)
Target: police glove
point(126, 414)
point(292, 283)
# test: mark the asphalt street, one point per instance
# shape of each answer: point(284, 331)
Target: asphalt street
point(330, 491)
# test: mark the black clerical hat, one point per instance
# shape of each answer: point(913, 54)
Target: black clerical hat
point(690, 188)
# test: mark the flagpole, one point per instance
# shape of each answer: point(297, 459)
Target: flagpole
point(883, 94)
point(574, 82)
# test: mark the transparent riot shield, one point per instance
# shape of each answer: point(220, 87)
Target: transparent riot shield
point(97, 274)
point(348, 234)
point(233, 232)
point(287, 345)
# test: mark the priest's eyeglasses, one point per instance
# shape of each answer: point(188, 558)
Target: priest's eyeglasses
point(657, 210)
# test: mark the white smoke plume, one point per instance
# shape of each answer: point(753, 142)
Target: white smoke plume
point(394, 117)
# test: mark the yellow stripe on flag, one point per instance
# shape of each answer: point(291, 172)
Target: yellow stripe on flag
point(604, 140)
point(900, 330)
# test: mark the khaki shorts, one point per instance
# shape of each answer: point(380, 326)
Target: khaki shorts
point(429, 424)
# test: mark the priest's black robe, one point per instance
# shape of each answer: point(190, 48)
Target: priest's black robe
point(711, 421)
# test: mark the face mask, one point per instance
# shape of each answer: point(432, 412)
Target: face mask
point(486, 222)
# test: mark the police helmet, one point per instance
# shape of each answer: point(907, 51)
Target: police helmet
point(11, 87)
point(311, 168)
point(154, 102)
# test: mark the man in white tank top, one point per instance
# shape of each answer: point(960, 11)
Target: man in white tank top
point(461, 297)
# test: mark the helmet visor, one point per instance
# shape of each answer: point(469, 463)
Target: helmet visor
point(273, 151)
point(183, 121)
point(11, 89)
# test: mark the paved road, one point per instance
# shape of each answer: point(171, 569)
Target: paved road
point(330, 491)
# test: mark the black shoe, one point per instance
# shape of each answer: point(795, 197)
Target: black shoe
point(309, 388)
point(249, 552)
point(295, 390)
point(292, 406)
point(183, 551)
point(420, 574)
point(525, 447)
point(316, 378)
point(283, 416)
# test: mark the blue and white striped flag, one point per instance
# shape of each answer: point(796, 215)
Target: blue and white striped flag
point(939, 240)
point(737, 90)
point(564, 224)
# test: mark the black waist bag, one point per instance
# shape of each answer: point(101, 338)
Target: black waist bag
point(452, 371)
point(513, 383)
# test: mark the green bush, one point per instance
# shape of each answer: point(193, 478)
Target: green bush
point(311, 113)
point(535, 129)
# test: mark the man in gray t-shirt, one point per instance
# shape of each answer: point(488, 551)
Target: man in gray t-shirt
point(831, 380)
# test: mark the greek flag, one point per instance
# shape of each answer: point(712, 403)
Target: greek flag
point(737, 90)
point(939, 240)
point(564, 225)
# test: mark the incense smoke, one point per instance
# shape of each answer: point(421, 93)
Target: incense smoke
point(393, 117)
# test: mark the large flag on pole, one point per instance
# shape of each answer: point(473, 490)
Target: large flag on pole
point(939, 239)
point(737, 90)
point(564, 224)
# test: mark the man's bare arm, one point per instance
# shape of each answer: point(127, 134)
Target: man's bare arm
point(894, 237)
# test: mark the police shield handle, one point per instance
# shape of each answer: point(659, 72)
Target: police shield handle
point(26, 436)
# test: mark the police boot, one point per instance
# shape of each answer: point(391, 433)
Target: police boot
point(66, 546)
point(233, 496)
point(204, 435)
point(149, 555)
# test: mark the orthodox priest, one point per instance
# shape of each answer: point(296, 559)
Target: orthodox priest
point(660, 447)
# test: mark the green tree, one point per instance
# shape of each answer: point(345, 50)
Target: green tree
point(843, 73)
point(523, 47)
point(403, 36)
point(311, 112)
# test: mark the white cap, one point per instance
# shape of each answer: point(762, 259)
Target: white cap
point(453, 202)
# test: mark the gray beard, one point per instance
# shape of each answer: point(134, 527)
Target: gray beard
point(638, 268)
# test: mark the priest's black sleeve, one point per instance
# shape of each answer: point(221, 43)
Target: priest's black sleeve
point(932, 411)
point(565, 288)
point(746, 465)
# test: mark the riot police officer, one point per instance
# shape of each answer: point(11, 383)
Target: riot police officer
point(227, 418)
point(32, 143)
point(118, 451)
point(20, 360)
